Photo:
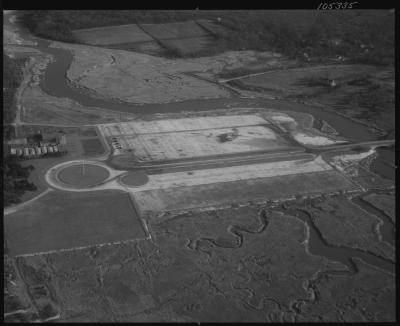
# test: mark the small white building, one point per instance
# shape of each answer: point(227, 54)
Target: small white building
point(55, 149)
point(50, 149)
point(13, 151)
point(26, 151)
point(44, 149)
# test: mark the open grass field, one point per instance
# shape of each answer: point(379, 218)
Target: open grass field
point(183, 38)
point(149, 47)
point(112, 35)
point(187, 46)
point(137, 178)
point(88, 132)
point(92, 146)
point(83, 175)
point(187, 29)
point(383, 202)
point(292, 80)
point(241, 191)
point(64, 220)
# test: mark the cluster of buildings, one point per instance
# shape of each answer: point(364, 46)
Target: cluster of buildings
point(37, 146)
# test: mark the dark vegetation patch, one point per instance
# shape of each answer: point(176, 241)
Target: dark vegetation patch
point(355, 34)
point(12, 77)
point(92, 146)
point(15, 180)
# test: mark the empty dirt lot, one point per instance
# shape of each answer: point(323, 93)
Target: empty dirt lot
point(193, 137)
point(244, 191)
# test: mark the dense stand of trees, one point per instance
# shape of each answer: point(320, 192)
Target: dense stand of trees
point(15, 180)
point(15, 177)
point(12, 77)
point(365, 36)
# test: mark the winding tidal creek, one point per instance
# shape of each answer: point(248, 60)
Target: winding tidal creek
point(55, 83)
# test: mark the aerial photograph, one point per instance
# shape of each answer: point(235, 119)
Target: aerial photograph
point(199, 166)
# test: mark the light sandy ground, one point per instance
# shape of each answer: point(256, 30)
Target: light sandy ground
point(342, 162)
point(192, 137)
point(175, 145)
point(355, 157)
point(315, 140)
point(141, 78)
point(349, 163)
point(183, 124)
point(211, 196)
point(282, 118)
point(233, 173)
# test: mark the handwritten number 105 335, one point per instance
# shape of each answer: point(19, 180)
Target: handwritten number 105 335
point(336, 5)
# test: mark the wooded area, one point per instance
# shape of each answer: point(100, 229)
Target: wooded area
point(357, 34)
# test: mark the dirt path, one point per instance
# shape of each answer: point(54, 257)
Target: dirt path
point(16, 208)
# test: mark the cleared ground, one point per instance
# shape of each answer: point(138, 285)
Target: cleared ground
point(184, 124)
point(193, 137)
point(63, 220)
point(234, 173)
point(241, 191)
point(154, 147)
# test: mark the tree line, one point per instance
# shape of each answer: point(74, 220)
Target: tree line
point(366, 36)
point(12, 77)
point(15, 180)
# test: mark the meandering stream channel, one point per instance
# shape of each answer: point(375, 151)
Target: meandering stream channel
point(55, 83)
